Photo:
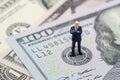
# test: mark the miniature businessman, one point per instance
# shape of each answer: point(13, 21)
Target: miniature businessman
point(76, 32)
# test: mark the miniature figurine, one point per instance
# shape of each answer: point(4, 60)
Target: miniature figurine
point(76, 32)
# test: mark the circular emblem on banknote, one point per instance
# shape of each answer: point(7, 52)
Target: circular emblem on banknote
point(17, 28)
point(77, 59)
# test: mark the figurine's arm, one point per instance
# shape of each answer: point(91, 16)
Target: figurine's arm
point(79, 31)
point(72, 31)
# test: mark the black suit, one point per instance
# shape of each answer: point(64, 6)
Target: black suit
point(76, 37)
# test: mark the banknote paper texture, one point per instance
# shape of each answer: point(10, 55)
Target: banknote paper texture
point(45, 50)
point(47, 3)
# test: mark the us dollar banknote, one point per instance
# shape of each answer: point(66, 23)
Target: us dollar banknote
point(47, 49)
point(16, 16)
point(8, 56)
point(14, 25)
point(7, 73)
point(69, 7)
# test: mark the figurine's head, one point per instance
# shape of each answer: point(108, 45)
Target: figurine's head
point(76, 23)
point(107, 27)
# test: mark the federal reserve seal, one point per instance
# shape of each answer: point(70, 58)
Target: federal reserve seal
point(78, 59)
point(17, 28)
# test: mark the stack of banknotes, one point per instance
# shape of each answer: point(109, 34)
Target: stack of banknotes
point(35, 40)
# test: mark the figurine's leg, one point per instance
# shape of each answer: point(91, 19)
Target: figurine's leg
point(79, 47)
point(73, 48)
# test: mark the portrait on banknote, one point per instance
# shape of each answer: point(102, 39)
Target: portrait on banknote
point(107, 26)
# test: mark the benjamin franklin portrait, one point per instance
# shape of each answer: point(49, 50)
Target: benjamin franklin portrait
point(107, 27)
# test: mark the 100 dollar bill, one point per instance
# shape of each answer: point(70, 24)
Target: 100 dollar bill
point(45, 51)
point(14, 25)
